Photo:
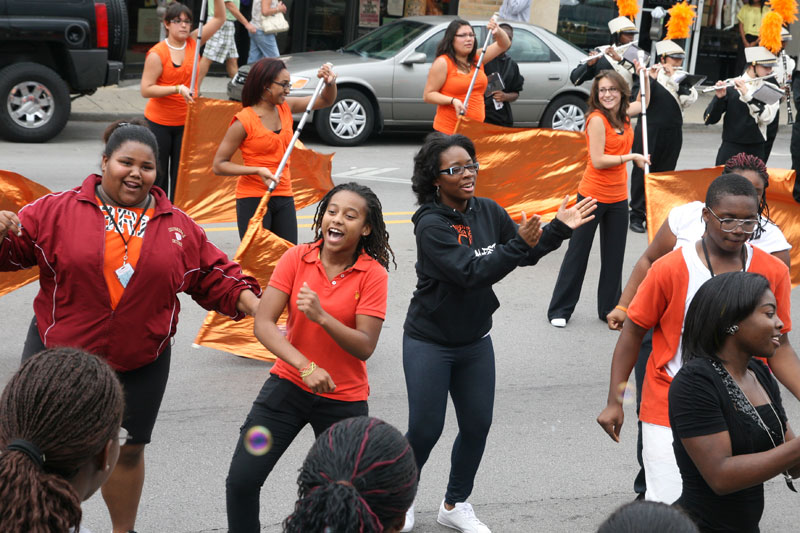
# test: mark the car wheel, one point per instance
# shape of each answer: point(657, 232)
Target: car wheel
point(117, 29)
point(566, 113)
point(36, 103)
point(348, 122)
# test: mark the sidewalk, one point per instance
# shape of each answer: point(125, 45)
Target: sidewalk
point(124, 101)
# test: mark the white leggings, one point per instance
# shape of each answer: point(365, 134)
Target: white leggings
point(660, 467)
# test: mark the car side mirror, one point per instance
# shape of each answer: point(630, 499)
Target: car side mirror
point(414, 58)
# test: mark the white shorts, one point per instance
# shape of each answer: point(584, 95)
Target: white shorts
point(661, 471)
point(222, 45)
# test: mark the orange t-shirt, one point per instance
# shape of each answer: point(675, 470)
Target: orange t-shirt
point(264, 148)
point(171, 110)
point(608, 185)
point(126, 218)
point(359, 290)
point(661, 304)
point(456, 84)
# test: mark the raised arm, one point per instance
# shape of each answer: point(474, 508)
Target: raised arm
point(326, 98)
point(501, 42)
point(213, 24)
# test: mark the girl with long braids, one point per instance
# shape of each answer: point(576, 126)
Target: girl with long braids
point(335, 289)
point(360, 475)
point(60, 437)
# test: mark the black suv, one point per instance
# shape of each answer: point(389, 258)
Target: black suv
point(52, 51)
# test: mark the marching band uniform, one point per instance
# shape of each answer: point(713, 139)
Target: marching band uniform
point(668, 99)
point(782, 78)
point(584, 72)
point(746, 119)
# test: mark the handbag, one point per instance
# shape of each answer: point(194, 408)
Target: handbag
point(274, 23)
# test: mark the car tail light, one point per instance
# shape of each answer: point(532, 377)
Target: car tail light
point(101, 17)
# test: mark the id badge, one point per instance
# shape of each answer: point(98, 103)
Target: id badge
point(498, 105)
point(124, 274)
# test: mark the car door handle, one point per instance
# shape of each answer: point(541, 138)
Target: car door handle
point(553, 78)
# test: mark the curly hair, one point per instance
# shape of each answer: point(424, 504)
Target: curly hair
point(446, 44)
point(744, 161)
point(360, 475)
point(428, 160)
point(620, 118)
point(376, 244)
point(68, 404)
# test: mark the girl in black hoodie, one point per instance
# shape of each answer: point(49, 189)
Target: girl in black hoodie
point(464, 246)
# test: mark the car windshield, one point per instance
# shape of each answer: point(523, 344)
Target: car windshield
point(388, 40)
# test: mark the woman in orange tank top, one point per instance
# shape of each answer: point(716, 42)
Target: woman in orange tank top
point(263, 131)
point(609, 137)
point(166, 78)
point(452, 70)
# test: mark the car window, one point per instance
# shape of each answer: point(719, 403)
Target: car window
point(429, 47)
point(528, 48)
point(386, 41)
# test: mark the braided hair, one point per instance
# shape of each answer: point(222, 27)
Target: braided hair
point(68, 404)
point(376, 244)
point(744, 161)
point(360, 475)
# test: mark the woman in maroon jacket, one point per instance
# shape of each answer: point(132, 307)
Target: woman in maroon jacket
point(113, 254)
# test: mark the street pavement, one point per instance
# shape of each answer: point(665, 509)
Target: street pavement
point(548, 467)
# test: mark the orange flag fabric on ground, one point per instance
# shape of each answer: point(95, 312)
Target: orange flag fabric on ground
point(15, 192)
point(665, 190)
point(209, 198)
point(527, 170)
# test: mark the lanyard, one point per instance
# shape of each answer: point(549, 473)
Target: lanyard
point(708, 259)
point(116, 227)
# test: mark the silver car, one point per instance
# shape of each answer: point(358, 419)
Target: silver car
point(381, 77)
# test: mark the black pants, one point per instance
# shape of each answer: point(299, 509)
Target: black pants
point(143, 388)
point(795, 142)
point(169, 140)
point(284, 409)
point(241, 36)
point(729, 149)
point(468, 374)
point(281, 217)
point(639, 484)
point(613, 222)
point(772, 132)
point(664, 144)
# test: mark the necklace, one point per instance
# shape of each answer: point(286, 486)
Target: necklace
point(175, 47)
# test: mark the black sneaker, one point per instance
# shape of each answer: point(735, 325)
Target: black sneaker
point(637, 227)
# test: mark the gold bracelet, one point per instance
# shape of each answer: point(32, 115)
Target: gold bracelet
point(308, 369)
point(177, 89)
point(621, 308)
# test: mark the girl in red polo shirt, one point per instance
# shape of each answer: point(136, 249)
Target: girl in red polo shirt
point(335, 290)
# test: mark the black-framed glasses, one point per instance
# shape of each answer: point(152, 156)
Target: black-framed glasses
point(472, 167)
point(123, 436)
point(729, 225)
point(287, 86)
point(180, 21)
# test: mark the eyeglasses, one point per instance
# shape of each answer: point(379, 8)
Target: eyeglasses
point(123, 436)
point(472, 167)
point(287, 86)
point(465, 35)
point(729, 225)
point(609, 90)
point(180, 21)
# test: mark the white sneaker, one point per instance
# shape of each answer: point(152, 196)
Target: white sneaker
point(462, 518)
point(409, 523)
point(558, 322)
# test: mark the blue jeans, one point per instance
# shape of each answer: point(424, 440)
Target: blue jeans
point(468, 374)
point(262, 45)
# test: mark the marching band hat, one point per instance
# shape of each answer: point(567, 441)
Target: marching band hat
point(785, 34)
point(758, 55)
point(622, 25)
point(670, 49)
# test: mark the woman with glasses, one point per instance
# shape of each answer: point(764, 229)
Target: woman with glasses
point(166, 81)
point(452, 71)
point(730, 215)
point(262, 130)
point(730, 429)
point(464, 246)
point(113, 255)
point(56, 451)
point(609, 137)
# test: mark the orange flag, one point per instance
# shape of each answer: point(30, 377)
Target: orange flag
point(665, 190)
point(15, 192)
point(527, 170)
point(207, 197)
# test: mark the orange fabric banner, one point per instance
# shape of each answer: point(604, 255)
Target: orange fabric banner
point(665, 190)
point(15, 192)
point(207, 197)
point(527, 170)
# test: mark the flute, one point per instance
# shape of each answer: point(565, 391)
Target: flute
point(618, 49)
point(730, 83)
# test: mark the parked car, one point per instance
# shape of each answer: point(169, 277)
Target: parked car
point(381, 77)
point(50, 50)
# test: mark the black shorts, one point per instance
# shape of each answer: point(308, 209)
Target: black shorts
point(143, 388)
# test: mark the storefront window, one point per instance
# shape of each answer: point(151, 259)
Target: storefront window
point(584, 23)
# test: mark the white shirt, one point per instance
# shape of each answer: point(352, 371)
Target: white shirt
point(519, 10)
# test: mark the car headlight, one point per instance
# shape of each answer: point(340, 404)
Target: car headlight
point(239, 78)
point(298, 82)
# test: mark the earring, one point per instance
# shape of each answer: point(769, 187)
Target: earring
point(732, 329)
point(437, 192)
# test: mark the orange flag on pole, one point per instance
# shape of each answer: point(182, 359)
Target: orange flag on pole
point(15, 192)
point(665, 190)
